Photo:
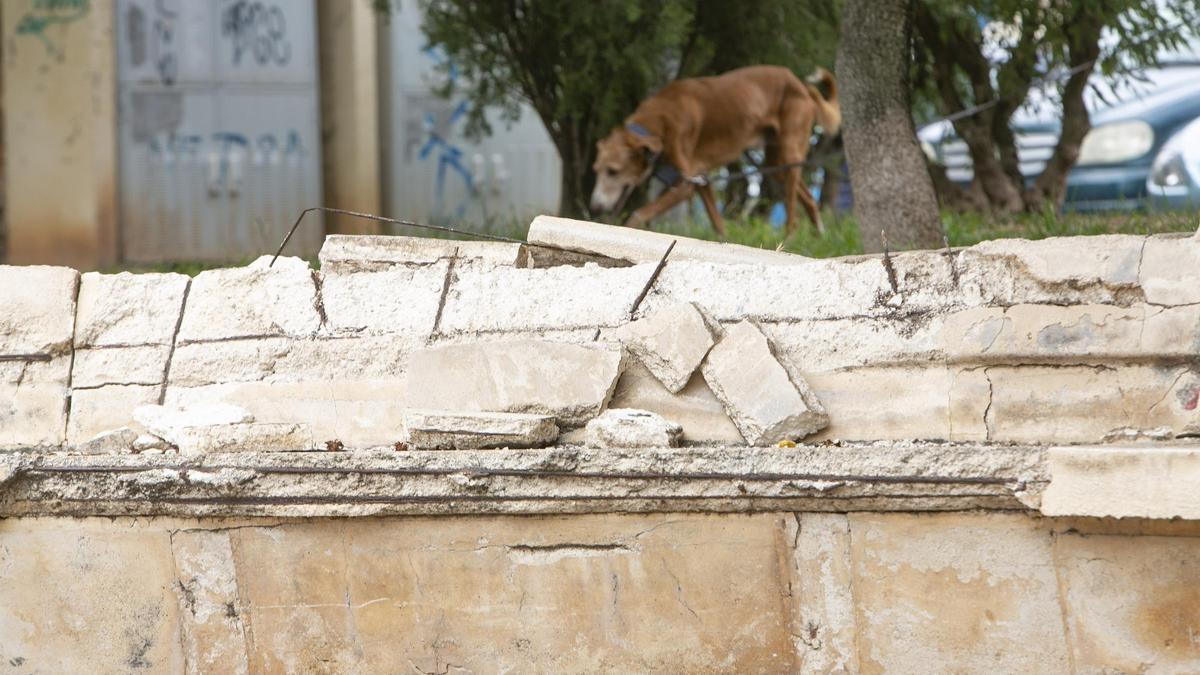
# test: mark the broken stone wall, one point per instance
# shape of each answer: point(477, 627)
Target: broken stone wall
point(1056, 341)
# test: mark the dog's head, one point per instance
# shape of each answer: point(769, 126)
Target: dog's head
point(623, 159)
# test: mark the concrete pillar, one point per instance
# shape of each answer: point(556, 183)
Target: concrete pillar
point(349, 112)
point(60, 158)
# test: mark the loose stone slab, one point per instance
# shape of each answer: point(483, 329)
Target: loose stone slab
point(128, 309)
point(446, 430)
point(570, 382)
point(254, 437)
point(671, 342)
point(164, 421)
point(109, 442)
point(37, 309)
point(629, 428)
point(358, 253)
point(766, 402)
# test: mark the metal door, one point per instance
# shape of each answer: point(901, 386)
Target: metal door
point(218, 127)
point(432, 172)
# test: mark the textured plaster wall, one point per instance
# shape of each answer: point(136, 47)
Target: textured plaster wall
point(770, 593)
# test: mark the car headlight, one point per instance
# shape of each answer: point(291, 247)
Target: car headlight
point(1117, 142)
point(1178, 162)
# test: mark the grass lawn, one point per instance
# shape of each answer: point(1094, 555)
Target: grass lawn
point(841, 236)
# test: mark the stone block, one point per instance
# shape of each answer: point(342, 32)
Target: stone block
point(824, 628)
point(1082, 404)
point(119, 365)
point(580, 594)
point(645, 246)
point(33, 403)
point(1087, 333)
point(358, 412)
point(76, 598)
point(449, 430)
point(932, 403)
point(512, 300)
point(252, 301)
point(1168, 270)
point(671, 342)
point(1141, 481)
point(249, 437)
point(766, 403)
point(694, 407)
point(163, 421)
point(394, 301)
point(343, 253)
point(573, 383)
point(822, 289)
point(37, 309)
point(1131, 602)
point(129, 309)
point(213, 631)
point(109, 442)
point(288, 360)
point(971, 593)
point(876, 342)
point(94, 411)
point(628, 428)
point(1109, 261)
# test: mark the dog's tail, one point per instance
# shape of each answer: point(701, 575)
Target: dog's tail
point(829, 113)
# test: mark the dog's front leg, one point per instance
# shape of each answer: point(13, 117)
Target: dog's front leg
point(676, 194)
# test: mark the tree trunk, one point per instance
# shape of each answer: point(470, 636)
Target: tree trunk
point(892, 188)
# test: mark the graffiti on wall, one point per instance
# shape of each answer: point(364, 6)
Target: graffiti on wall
point(259, 30)
point(46, 13)
point(429, 130)
point(152, 38)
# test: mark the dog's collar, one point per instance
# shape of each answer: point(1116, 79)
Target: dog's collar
point(638, 129)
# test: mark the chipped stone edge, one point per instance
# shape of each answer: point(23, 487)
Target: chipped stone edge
point(851, 477)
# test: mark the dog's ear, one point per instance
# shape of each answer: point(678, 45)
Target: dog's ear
point(651, 144)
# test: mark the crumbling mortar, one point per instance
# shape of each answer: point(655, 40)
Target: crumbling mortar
point(71, 366)
point(987, 411)
point(447, 282)
point(319, 299)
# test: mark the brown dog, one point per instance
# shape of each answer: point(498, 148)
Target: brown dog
point(697, 125)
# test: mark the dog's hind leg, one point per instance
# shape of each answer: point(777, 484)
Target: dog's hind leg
point(809, 203)
point(710, 205)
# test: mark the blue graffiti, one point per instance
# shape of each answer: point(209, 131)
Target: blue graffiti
point(449, 155)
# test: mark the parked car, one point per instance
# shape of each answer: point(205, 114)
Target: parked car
point(1143, 150)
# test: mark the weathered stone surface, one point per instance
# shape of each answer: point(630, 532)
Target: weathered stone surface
point(86, 597)
point(448, 430)
point(694, 407)
point(972, 593)
point(357, 253)
point(766, 403)
point(1168, 270)
point(119, 365)
point(1082, 404)
point(835, 344)
point(510, 300)
point(570, 382)
point(903, 403)
point(214, 634)
point(163, 421)
point(629, 428)
point(606, 593)
point(128, 309)
point(643, 246)
point(670, 342)
point(149, 443)
point(822, 289)
point(252, 301)
point(398, 301)
point(1091, 333)
point(358, 412)
point(1145, 481)
point(1131, 602)
point(336, 360)
point(109, 442)
point(94, 411)
point(242, 437)
point(1107, 260)
point(33, 402)
point(824, 625)
point(37, 309)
